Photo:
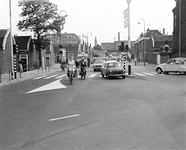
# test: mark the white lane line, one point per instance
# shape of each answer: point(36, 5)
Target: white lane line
point(66, 117)
point(61, 76)
point(40, 77)
point(154, 72)
point(150, 74)
point(50, 76)
point(139, 74)
point(92, 75)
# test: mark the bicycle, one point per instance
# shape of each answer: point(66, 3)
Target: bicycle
point(72, 72)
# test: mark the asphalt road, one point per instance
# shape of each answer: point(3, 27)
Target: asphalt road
point(143, 111)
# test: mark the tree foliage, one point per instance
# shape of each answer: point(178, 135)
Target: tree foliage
point(41, 18)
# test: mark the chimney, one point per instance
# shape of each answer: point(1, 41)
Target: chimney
point(118, 36)
point(163, 31)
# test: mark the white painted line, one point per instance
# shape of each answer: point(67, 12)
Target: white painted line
point(148, 74)
point(61, 76)
point(40, 77)
point(50, 76)
point(139, 74)
point(154, 72)
point(92, 75)
point(66, 117)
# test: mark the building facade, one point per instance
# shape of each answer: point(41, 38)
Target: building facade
point(141, 45)
point(70, 46)
point(179, 29)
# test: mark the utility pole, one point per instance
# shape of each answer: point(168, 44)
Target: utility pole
point(179, 28)
point(11, 43)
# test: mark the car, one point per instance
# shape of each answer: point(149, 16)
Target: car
point(177, 65)
point(112, 68)
point(97, 64)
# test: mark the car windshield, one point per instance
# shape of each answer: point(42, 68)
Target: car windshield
point(114, 64)
point(98, 61)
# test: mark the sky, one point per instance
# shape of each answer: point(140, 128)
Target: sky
point(102, 19)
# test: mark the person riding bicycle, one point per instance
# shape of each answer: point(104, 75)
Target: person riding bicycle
point(83, 65)
point(71, 65)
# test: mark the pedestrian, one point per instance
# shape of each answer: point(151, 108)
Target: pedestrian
point(20, 68)
point(88, 62)
point(135, 61)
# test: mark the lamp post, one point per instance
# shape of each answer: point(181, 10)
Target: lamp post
point(11, 42)
point(143, 39)
point(62, 17)
point(129, 43)
point(61, 21)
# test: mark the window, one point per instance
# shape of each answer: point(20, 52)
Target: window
point(170, 62)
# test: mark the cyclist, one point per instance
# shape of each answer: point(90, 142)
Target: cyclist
point(83, 65)
point(71, 65)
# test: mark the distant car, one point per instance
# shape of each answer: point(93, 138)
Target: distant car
point(112, 68)
point(177, 65)
point(97, 64)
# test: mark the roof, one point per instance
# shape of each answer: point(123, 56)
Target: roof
point(23, 41)
point(3, 37)
point(70, 47)
point(111, 61)
point(163, 38)
point(149, 34)
point(160, 40)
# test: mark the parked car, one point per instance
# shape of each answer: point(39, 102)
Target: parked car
point(112, 69)
point(97, 64)
point(172, 65)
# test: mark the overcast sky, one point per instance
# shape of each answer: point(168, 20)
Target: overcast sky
point(103, 18)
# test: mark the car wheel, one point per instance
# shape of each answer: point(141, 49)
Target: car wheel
point(159, 70)
point(123, 77)
point(102, 74)
point(182, 73)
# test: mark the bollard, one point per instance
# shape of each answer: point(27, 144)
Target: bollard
point(129, 69)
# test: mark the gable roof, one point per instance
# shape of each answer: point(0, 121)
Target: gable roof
point(23, 41)
point(3, 37)
point(149, 34)
point(158, 41)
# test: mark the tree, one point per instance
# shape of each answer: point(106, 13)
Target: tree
point(41, 18)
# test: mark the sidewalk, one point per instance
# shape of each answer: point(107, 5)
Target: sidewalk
point(6, 80)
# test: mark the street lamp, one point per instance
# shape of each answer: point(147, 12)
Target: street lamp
point(62, 17)
point(143, 39)
point(11, 43)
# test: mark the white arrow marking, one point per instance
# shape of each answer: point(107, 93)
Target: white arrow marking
point(64, 117)
point(51, 86)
